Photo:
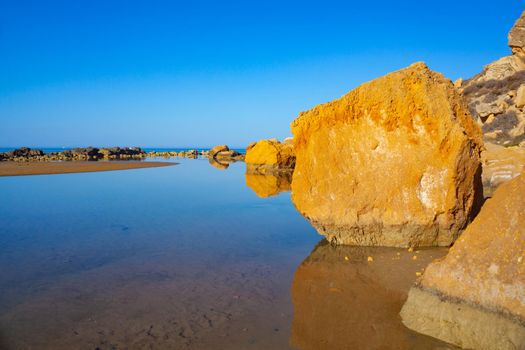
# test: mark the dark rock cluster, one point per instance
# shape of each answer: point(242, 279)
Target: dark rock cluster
point(25, 154)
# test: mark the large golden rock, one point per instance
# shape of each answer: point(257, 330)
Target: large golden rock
point(269, 156)
point(395, 162)
point(475, 296)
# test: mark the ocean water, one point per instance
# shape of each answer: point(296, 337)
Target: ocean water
point(188, 257)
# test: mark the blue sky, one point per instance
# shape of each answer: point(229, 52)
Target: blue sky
point(200, 73)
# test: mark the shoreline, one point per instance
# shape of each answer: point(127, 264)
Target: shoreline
point(72, 167)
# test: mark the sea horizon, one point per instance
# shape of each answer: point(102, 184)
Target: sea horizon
point(146, 149)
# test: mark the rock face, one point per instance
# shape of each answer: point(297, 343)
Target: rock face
point(517, 35)
point(269, 185)
point(500, 164)
point(342, 301)
point(395, 162)
point(269, 157)
point(496, 96)
point(475, 296)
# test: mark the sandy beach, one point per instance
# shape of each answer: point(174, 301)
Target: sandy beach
point(46, 168)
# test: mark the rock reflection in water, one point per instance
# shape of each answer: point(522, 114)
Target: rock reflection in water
point(269, 185)
point(219, 165)
point(344, 301)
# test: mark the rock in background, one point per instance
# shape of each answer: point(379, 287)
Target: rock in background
point(395, 162)
point(475, 296)
point(270, 157)
point(25, 154)
point(496, 96)
point(223, 153)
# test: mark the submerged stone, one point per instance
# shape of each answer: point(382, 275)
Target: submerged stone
point(395, 162)
point(475, 296)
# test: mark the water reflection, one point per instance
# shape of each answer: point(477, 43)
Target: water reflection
point(187, 257)
point(269, 185)
point(349, 298)
point(218, 164)
point(165, 258)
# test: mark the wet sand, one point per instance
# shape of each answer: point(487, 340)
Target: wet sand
point(47, 168)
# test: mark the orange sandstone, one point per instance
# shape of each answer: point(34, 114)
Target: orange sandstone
point(269, 156)
point(395, 162)
point(475, 296)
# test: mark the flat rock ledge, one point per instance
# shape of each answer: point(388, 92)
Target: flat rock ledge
point(460, 323)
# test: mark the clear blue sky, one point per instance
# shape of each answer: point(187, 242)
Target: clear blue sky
point(200, 73)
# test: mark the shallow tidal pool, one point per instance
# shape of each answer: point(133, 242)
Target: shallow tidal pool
point(188, 257)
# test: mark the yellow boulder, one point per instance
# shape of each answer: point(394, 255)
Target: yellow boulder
point(395, 162)
point(269, 156)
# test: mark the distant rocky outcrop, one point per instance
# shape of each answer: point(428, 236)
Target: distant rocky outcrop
point(23, 153)
point(26, 154)
point(269, 185)
point(475, 296)
point(270, 157)
point(224, 153)
point(395, 162)
point(496, 96)
point(192, 154)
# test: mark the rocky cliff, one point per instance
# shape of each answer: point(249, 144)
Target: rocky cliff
point(496, 96)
